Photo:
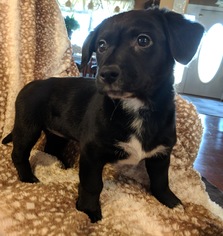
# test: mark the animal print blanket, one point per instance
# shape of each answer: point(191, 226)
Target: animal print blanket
point(34, 45)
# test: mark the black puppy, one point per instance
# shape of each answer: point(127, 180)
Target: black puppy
point(127, 115)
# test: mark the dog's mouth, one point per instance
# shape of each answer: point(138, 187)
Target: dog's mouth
point(118, 94)
point(114, 90)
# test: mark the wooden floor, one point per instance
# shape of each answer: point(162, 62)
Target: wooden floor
point(209, 161)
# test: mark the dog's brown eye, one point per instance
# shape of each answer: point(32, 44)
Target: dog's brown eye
point(144, 40)
point(102, 46)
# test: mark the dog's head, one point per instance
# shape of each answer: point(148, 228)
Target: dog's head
point(136, 50)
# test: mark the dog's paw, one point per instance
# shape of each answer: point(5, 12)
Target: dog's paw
point(168, 198)
point(172, 201)
point(29, 179)
point(94, 215)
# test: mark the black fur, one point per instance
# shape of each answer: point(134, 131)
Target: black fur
point(132, 100)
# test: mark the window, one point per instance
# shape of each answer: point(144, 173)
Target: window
point(90, 13)
point(211, 53)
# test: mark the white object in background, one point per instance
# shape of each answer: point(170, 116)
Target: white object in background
point(211, 53)
point(180, 6)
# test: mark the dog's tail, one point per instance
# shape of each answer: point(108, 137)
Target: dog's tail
point(7, 139)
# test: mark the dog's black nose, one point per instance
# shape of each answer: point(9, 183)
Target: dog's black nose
point(109, 74)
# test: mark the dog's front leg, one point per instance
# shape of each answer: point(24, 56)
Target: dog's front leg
point(157, 168)
point(90, 187)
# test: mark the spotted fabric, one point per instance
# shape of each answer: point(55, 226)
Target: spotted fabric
point(33, 46)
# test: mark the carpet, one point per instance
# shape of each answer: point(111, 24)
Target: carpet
point(206, 106)
point(215, 194)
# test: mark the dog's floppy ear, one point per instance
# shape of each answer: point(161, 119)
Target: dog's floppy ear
point(88, 48)
point(184, 36)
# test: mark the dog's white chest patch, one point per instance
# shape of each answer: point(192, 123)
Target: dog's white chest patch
point(136, 153)
point(133, 146)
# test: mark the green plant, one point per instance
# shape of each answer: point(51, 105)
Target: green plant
point(71, 25)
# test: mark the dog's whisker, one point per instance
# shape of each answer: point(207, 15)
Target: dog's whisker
point(116, 106)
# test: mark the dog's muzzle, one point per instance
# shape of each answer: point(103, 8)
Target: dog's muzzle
point(110, 82)
point(109, 74)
